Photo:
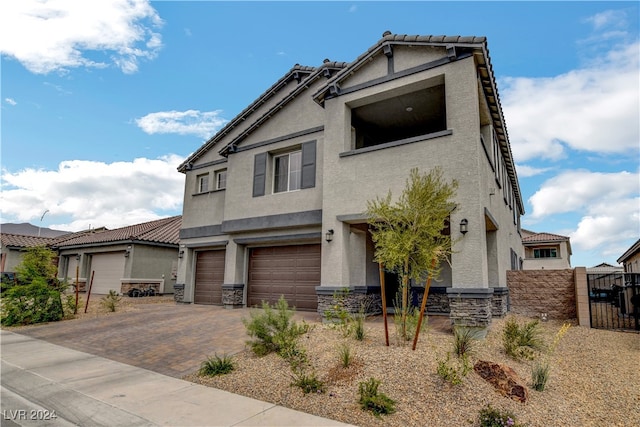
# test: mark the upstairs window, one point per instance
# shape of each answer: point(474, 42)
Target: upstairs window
point(202, 183)
point(545, 253)
point(287, 172)
point(221, 179)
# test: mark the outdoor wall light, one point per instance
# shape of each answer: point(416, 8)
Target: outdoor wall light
point(464, 226)
point(329, 235)
point(180, 254)
point(127, 252)
point(78, 257)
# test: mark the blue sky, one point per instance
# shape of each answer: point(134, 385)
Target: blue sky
point(100, 101)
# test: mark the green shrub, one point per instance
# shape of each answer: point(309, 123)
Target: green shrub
point(491, 417)
point(520, 341)
point(37, 263)
point(540, 375)
point(216, 365)
point(111, 301)
point(464, 341)
point(454, 371)
point(273, 329)
point(359, 332)
point(406, 331)
point(33, 303)
point(372, 400)
point(346, 357)
point(308, 382)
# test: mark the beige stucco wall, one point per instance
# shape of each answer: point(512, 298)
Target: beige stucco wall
point(559, 263)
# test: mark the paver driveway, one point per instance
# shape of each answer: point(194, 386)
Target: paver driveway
point(167, 338)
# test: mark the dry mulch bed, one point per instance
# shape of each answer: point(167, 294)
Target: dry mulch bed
point(594, 379)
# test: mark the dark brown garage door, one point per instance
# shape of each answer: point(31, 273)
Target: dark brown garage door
point(209, 277)
point(292, 271)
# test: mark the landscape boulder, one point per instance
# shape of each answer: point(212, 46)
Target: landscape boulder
point(503, 378)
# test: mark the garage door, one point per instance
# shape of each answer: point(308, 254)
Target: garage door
point(292, 271)
point(109, 269)
point(209, 277)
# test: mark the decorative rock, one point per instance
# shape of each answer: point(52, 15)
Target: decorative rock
point(503, 378)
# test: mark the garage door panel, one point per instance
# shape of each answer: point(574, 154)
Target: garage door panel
point(107, 269)
point(209, 277)
point(292, 271)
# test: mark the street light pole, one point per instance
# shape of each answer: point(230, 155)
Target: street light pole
point(41, 218)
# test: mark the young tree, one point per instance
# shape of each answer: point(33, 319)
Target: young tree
point(37, 265)
point(409, 234)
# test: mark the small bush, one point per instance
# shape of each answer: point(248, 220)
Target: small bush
point(69, 305)
point(359, 332)
point(111, 301)
point(34, 303)
point(346, 357)
point(372, 400)
point(540, 375)
point(454, 371)
point(216, 365)
point(273, 329)
point(520, 341)
point(405, 333)
point(491, 417)
point(464, 341)
point(309, 383)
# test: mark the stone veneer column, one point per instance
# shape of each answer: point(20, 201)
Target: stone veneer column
point(500, 302)
point(349, 298)
point(470, 306)
point(233, 295)
point(178, 295)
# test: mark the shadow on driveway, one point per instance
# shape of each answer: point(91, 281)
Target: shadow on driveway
point(167, 338)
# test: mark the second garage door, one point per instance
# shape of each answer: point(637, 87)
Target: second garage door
point(292, 271)
point(209, 277)
point(108, 269)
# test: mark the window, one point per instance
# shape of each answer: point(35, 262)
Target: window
point(287, 172)
point(221, 179)
point(203, 183)
point(545, 253)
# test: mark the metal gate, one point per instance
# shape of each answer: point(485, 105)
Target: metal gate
point(614, 300)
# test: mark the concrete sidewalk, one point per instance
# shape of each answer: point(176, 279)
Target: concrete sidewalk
point(39, 379)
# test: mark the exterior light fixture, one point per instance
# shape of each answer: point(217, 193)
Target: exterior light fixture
point(78, 257)
point(127, 252)
point(329, 235)
point(180, 254)
point(464, 226)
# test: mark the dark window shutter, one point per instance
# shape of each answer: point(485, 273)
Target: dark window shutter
point(259, 174)
point(308, 165)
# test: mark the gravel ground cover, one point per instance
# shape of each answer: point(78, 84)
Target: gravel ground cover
point(594, 379)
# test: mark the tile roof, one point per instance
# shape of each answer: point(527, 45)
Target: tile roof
point(634, 249)
point(20, 241)
point(164, 231)
point(544, 237)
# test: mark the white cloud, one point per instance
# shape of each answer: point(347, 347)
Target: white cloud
point(595, 109)
point(10, 101)
point(584, 191)
point(525, 171)
point(191, 122)
point(55, 35)
point(95, 193)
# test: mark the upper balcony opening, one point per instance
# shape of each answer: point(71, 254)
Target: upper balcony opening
point(399, 117)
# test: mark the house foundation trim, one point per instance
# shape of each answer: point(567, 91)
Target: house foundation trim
point(178, 295)
point(233, 295)
point(351, 299)
point(500, 302)
point(470, 307)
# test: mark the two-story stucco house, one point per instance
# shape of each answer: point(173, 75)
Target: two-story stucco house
point(274, 201)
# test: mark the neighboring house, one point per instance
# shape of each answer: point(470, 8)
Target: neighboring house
point(631, 258)
point(545, 251)
point(274, 203)
point(13, 247)
point(141, 256)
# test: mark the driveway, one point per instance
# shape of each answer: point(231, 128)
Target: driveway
point(171, 339)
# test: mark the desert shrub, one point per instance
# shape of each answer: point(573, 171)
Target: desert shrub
point(37, 264)
point(216, 365)
point(69, 305)
point(541, 369)
point(454, 370)
point(491, 417)
point(111, 301)
point(308, 382)
point(464, 341)
point(337, 315)
point(33, 303)
point(405, 331)
point(346, 356)
point(521, 341)
point(273, 329)
point(373, 400)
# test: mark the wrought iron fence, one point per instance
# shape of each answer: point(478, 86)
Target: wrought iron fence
point(614, 300)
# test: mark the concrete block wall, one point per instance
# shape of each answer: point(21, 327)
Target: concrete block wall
point(533, 292)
